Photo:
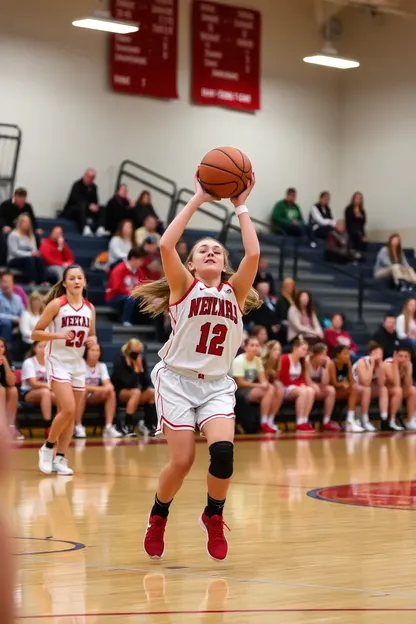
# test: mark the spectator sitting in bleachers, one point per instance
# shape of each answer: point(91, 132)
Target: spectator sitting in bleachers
point(23, 254)
point(397, 371)
point(131, 380)
point(337, 247)
point(121, 243)
point(98, 391)
point(152, 265)
point(148, 230)
point(12, 209)
point(266, 315)
point(9, 390)
point(182, 249)
point(355, 219)
point(387, 337)
point(263, 275)
point(30, 317)
point(35, 389)
point(120, 208)
point(287, 215)
point(259, 332)
point(341, 377)
point(336, 335)
point(271, 365)
point(123, 278)
point(367, 372)
point(253, 387)
point(144, 208)
point(391, 264)
point(11, 306)
point(83, 206)
point(296, 383)
point(321, 219)
point(406, 323)
point(56, 254)
point(302, 319)
point(318, 369)
point(286, 299)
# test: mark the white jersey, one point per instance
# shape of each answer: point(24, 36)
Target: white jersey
point(207, 331)
point(366, 359)
point(77, 320)
point(32, 369)
point(316, 374)
point(95, 376)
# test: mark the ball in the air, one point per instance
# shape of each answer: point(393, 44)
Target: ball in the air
point(224, 172)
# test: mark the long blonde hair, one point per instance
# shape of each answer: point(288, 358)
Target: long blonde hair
point(59, 289)
point(271, 368)
point(19, 227)
point(154, 296)
point(35, 295)
point(129, 345)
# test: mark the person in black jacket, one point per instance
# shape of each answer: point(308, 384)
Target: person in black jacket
point(144, 208)
point(263, 275)
point(321, 219)
point(266, 315)
point(355, 219)
point(386, 336)
point(83, 207)
point(131, 381)
point(120, 208)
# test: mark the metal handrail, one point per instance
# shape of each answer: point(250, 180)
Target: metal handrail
point(182, 199)
point(10, 179)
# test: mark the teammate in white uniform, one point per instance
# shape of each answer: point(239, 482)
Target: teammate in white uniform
point(371, 383)
point(398, 374)
point(205, 301)
point(318, 368)
point(35, 388)
point(68, 325)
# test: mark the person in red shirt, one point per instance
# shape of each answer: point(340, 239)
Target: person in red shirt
point(123, 279)
point(56, 254)
point(336, 335)
point(152, 266)
point(296, 383)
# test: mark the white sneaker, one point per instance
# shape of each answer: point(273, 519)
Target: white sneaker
point(368, 426)
point(101, 231)
point(60, 466)
point(87, 231)
point(45, 460)
point(273, 426)
point(80, 431)
point(394, 426)
point(111, 432)
point(142, 428)
point(15, 433)
point(354, 427)
point(411, 425)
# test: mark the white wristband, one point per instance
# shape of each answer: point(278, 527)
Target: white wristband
point(241, 210)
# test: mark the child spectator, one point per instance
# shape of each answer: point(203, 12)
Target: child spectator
point(123, 278)
point(149, 229)
point(8, 390)
point(318, 369)
point(11, 306)
point(56, 254)
point(336, 335)
point(302, 319)
point(31, 316)
point(121, 243)
point(296, 383)
point(23, 254)
point(367, 372)
point(35, 388)
point(253, 387)
point(341, 377)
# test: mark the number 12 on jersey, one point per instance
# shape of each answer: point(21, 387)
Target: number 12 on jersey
point(212, 340)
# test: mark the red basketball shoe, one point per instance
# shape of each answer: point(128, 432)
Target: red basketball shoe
point(331, 426)
point(217, 545)
point(154, 540)
point(265, 428)
point(305, 428)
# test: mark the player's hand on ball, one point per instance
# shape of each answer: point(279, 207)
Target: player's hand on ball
point(91, 341)
point(202, 195)
point(240, 200)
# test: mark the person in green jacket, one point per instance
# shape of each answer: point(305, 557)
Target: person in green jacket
point(287, 216)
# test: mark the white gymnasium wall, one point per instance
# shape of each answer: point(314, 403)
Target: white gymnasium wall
point(378, 131)
point(54, 84)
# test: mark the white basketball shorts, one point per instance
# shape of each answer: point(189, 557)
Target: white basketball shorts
point(184, 402)
point(66, 372)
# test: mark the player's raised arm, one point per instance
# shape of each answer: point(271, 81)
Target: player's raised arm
point(178, 276)
point(243, 279)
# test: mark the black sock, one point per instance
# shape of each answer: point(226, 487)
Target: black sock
point(49, 445)
point(60, 455)
point(214, 507)
point(160, 509)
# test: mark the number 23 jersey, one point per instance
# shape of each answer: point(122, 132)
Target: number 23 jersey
point(207, 331)
point(77, 320)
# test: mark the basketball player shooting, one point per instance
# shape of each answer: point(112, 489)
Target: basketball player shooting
point(206, 301)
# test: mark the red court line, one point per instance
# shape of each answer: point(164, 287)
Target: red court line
point(218, 611)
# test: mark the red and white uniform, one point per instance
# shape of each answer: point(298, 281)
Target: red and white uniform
point(32, 369)
point(64, 358)
point(191, 382)
point(291, 374)
point(316, 374)
point(366, 360)
point(96, 375)
point(402, 371)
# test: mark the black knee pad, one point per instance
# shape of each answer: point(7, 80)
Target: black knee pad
point(222, 459)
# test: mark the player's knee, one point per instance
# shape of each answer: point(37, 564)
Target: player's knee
point(183, 462)
point(330, 391)
point(45, 394)
point(398, 392)
point(222, 459)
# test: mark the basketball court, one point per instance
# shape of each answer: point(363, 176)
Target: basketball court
point(321, 531)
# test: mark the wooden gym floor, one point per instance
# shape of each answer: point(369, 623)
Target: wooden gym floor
point(321, 532)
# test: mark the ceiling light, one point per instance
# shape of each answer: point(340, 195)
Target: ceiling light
point(102, 21)
point(329, 60)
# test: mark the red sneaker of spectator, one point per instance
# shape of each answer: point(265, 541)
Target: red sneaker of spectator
point(217, 545)
point(265, 428)
point(331, 426)
point(154, 540)
point(305, 428)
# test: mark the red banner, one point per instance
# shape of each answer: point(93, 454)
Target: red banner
point(226, 55)
point(145, 62)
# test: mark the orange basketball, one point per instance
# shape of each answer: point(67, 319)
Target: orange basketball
point(224, 172)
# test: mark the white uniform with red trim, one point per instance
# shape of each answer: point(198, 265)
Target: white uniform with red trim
point(192, 383)
point(64, 359)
